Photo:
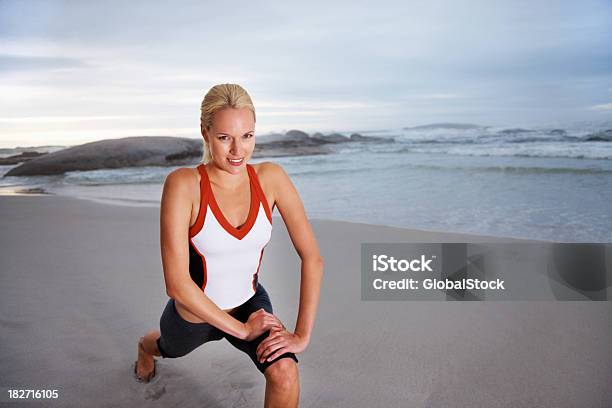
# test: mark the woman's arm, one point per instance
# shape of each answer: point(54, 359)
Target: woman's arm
point(175, 215)
point(290, 206)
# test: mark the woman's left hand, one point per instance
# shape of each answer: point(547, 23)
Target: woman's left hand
point(278, 343)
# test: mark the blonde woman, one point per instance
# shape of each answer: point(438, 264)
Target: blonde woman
point(216, 220)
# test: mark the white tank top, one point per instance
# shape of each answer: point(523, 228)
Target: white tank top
point(224, 261)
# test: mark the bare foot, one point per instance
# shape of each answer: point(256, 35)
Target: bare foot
point(145, 366)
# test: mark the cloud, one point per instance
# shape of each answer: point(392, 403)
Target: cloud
point(68, 119)
point(37, 63)
point(352, 65)
point(602, 107)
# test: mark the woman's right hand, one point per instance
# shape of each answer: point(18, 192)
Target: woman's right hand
point(260, 322)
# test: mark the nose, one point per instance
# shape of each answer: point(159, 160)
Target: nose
point(235, 147)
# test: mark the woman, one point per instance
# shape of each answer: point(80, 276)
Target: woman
point(216, 220)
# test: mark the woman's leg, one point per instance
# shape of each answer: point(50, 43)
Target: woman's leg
point(282, 384)
point(147, 348)
point(149, 343)
point(282, 377)
point(177, 337)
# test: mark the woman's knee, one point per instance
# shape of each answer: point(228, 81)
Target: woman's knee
point(282, 373)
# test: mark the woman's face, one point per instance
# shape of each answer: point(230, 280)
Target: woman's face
point(231, 138)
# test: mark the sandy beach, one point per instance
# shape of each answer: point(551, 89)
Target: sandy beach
point(80, 281)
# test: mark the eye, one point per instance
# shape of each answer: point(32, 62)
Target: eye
point(248, 136)
point(222, 137)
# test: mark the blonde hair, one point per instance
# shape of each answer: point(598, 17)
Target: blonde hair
point(220, 97)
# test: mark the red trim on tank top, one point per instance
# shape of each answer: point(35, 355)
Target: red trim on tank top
point(207, 199)
point(258, 266)
point(245, 228)
point(193, 231)
point(262, 196)
point(204, 277)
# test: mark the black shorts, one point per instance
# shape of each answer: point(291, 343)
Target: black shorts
point(179, 337)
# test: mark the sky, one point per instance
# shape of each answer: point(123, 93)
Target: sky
point(78, 71)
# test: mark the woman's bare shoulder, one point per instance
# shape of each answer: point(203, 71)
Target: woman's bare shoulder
point(268, 172)
point(182, 181)
point(183, 175)
point(274, 180)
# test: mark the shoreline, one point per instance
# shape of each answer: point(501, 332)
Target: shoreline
point(18, 192)
point(408, 230)
point(518, 198)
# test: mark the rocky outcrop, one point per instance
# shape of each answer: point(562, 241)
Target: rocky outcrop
point(299, 138)
point(331, 138)
point(173, 151)
point(18, 158)
point(114, 153)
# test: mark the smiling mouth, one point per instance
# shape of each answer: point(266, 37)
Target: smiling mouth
point(235, 162)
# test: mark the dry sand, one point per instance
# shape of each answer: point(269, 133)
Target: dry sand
point(81, 281)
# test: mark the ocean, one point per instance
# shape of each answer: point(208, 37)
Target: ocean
point(549, 184)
